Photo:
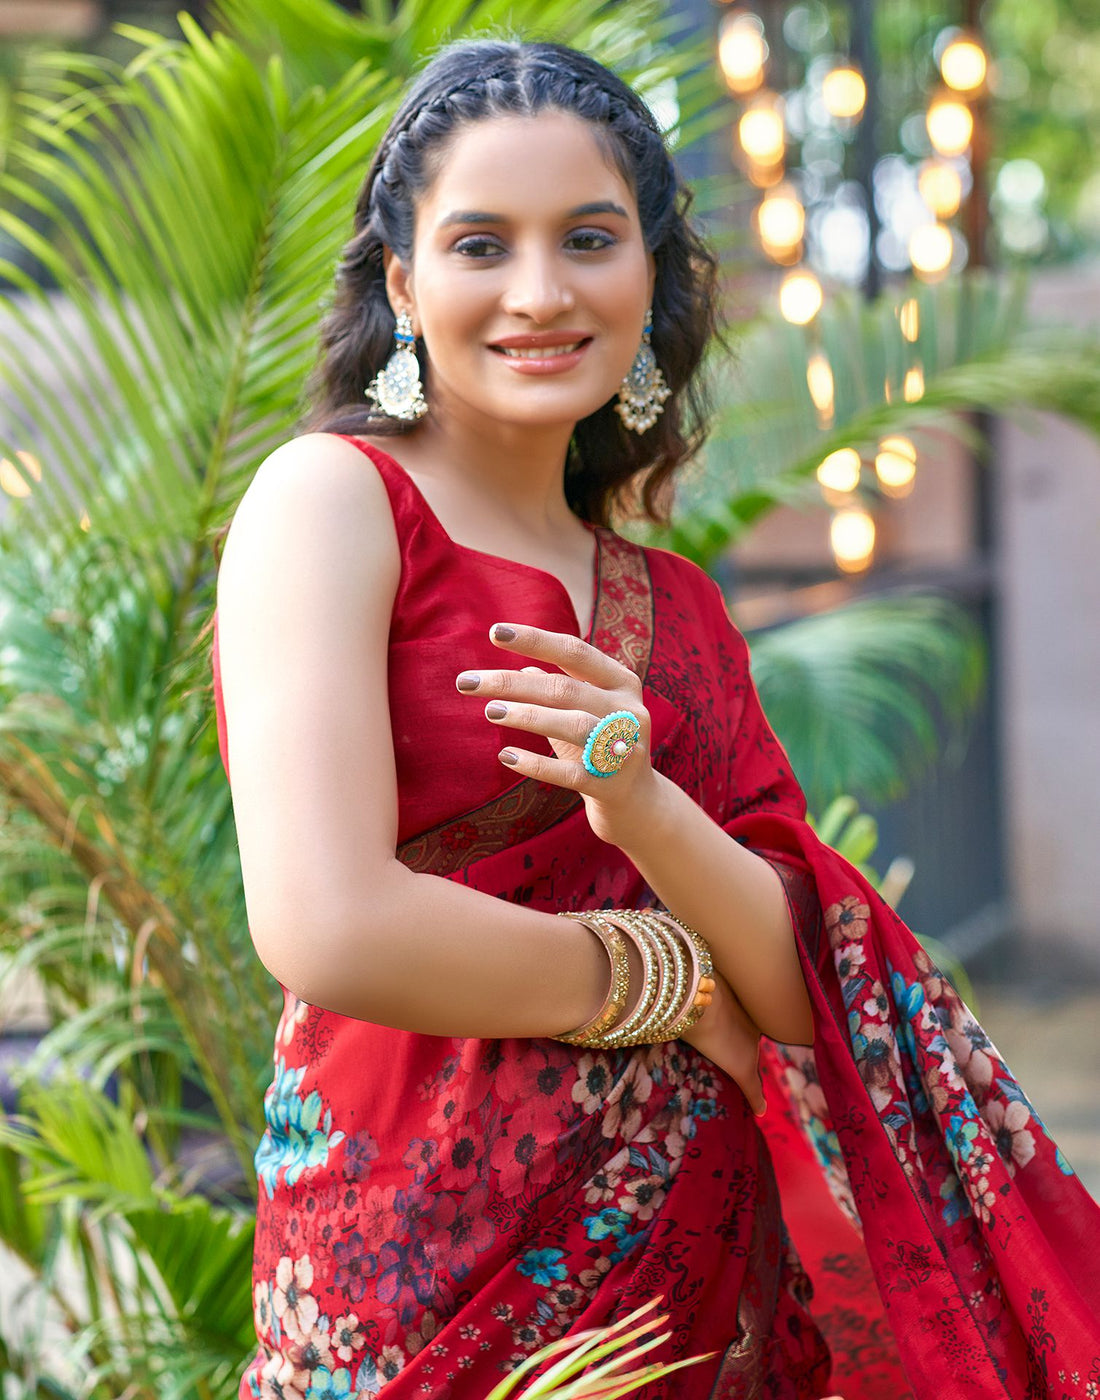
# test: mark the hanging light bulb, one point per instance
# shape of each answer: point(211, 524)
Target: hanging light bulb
point(844, 92)
point(852, 536)
point(930, 249)
point(950, 126)
point(742, 51)
point(913, 388)
point(941, 187)
point(781, 220)
point(800, 297)
point(909, 318)
point(840, 471)
point(761, 131)
point(963, 64)
point(896, 465)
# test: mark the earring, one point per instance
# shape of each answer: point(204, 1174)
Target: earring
point(643, 392)
point(396, 389)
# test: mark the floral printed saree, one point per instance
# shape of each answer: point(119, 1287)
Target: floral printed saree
point(433, 1210)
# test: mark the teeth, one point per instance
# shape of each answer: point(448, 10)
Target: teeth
point(542, 352)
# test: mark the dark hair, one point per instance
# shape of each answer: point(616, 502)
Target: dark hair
point(469, 82)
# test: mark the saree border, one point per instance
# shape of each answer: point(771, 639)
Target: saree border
point(622, 628)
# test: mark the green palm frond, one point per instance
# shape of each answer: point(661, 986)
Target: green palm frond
point(860, 697)
point(974, 348)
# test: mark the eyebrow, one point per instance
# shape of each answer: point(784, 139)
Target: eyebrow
point(480, 216)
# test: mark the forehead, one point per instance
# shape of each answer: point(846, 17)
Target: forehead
point(525, 166)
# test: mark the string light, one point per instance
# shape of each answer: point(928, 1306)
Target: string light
point(844, 93)
point(781, 220)
point(840, 471)
point(742, 51)
point(913, 388)
point(950, 126)
point(852, 536)
point(800, 297)
point(930, 249)
point(761, 131)
point(896, 465)
point(909, 318)
point(963, 64)
point(819, 381)
point(941, 187)
point(14, 479)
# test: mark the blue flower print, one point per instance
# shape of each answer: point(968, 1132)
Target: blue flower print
point(543, 1265)
point(296, 1137)
point(955, 1204)
point(405, 1278)
point(704, 1109)
point(330, 1385)
point(628, 1244)
point(961, 1132)
point(367, 1381)
point(360, 1150)
point(609, 1224)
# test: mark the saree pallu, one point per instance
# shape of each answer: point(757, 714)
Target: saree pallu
point(433, 1210)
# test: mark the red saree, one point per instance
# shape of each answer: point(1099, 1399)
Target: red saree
point(431, 1211)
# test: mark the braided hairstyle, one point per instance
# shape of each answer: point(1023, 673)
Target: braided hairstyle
point(469, 82)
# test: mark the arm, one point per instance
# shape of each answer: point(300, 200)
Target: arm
point(305, 592)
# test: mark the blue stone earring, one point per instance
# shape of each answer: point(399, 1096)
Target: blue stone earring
point(643, 392)
point(396, 389)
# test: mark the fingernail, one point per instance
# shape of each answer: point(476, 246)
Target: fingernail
point(763, 1111)
point(507, 756)
point(501, 632)
point(496, 710)
point(468, 680)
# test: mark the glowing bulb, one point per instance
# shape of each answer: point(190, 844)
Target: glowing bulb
point(963, 65)
point(913, 388)
point(950, 126)
point(765, 177)
point(14, 479)
point(844, 92)
point(800, 297)
point(930, 249)
point(909, 318)
point(840, 470)
point(781, 220)
point(762, 134)
point(819, 380)
point(852, 536)
point(742, 51)
point(940, 187)
point(896, 465)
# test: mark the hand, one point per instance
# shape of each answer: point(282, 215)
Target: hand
point(728, 1035)
point(563, 709)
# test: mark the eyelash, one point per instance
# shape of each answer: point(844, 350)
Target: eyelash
point(463, 246)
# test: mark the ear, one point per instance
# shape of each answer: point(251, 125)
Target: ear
point(399, 288)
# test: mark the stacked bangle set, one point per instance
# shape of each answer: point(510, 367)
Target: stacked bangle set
point(677, 984)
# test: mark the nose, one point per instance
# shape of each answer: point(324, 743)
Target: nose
point(538, 286)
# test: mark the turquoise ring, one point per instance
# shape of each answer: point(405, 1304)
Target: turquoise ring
point(609, 743)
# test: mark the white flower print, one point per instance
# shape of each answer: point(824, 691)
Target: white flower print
point(295, 1307)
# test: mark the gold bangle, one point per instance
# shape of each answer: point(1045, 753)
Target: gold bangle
point(660, 974)
point(619, 989)
point(702, 966)
point(673, 1003)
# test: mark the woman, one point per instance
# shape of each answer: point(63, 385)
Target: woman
point(416, 648)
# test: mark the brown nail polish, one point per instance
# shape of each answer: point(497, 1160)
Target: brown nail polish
point(503, 633)
point(468, 680)
point(507, 756)
point(496, 710)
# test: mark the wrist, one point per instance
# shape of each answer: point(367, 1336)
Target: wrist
point(648, 819)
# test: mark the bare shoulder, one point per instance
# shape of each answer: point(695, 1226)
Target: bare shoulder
point(316, 512)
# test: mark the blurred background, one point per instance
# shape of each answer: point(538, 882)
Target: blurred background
point(900, 498)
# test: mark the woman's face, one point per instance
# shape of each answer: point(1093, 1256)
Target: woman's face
point(530, 279)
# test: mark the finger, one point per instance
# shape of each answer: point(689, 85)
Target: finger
point(562, 649)
point(547, 688)
point(562, 772)
point(570, 726)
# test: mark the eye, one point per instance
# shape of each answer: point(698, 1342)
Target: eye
point(477, 245)
point(591, 240)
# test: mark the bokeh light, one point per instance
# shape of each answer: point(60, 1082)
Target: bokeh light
point(852, 536)
point(950, 125)
point(800, 297)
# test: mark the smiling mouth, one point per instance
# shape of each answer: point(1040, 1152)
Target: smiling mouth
point(539, 352)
